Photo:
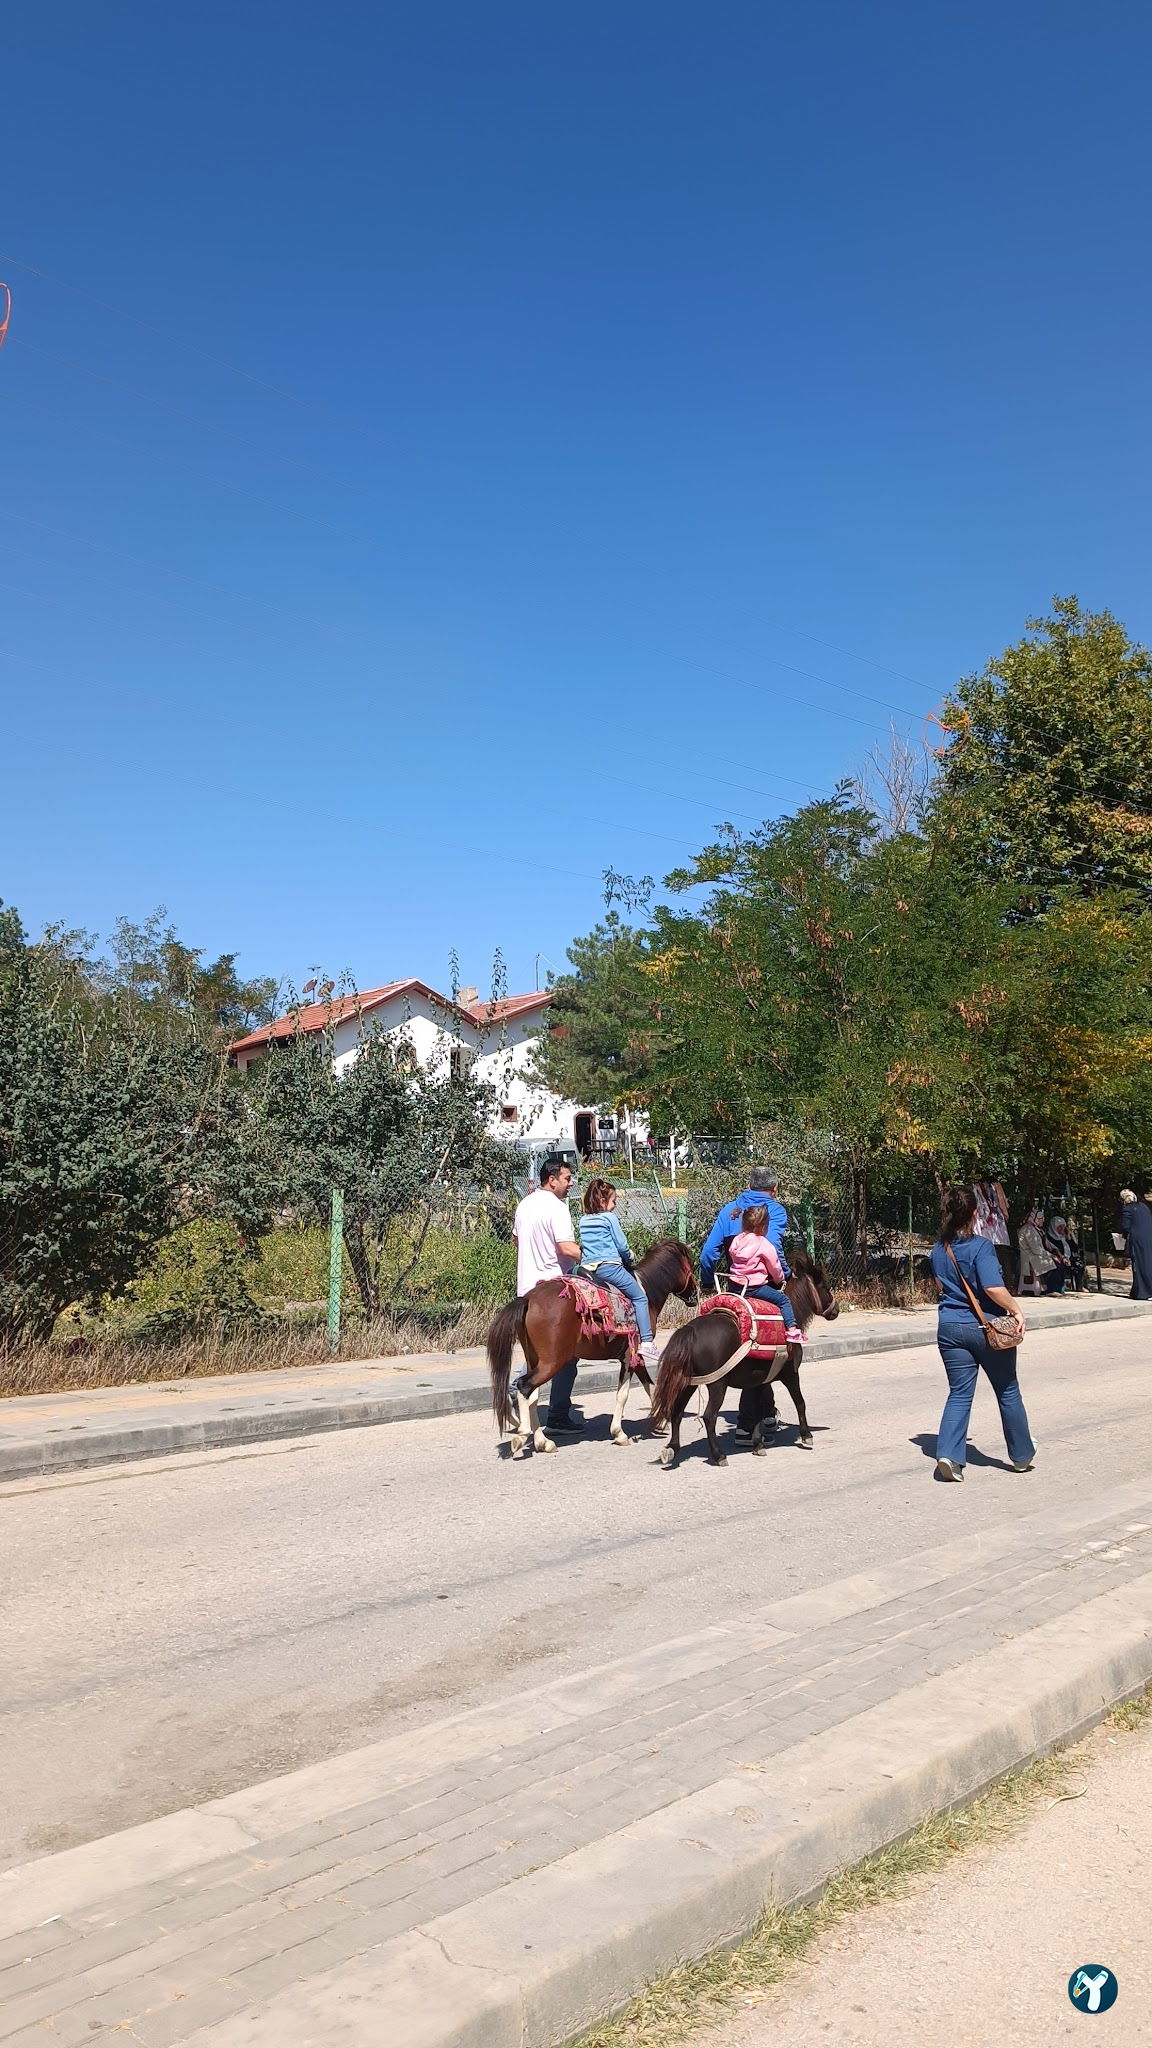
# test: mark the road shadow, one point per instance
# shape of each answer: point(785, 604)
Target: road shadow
point(927, 1443)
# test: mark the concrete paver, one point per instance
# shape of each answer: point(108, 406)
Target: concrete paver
point(336, 1864)
point(982, 1952)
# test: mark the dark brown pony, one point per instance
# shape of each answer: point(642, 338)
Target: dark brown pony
point(547, 1327)
point(698, 1350)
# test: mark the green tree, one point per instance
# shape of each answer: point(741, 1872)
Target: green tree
point(396, 1138)
point(149, 964)
point(1048, 781)
point(110, 1132)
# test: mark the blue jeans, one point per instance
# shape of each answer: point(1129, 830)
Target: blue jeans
point(965, 1350)
point(777, 1295)
point(619, 1276)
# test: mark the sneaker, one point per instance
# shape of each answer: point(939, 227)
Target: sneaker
point(945, 1469)
point(571, 1424)
point(650, 1351)
point(794, 1335)
point(1025, 1468)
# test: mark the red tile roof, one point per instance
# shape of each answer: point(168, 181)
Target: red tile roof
point(321, 1016)
point(508, 1006)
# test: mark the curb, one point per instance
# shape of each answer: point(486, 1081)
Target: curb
point(41, 1457)
point(543, 1958)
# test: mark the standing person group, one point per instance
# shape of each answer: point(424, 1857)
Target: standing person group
point(972, 1291)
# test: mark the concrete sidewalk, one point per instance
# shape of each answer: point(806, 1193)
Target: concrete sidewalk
point(503, 1878)
point(45, 1433)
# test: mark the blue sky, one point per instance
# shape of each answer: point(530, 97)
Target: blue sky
point(540, 434)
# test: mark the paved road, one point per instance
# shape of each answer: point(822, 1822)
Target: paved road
point(180, 1628)
point(982, 1953)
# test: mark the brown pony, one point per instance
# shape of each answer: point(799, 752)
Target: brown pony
point(697, 1351)
point(547, 1327)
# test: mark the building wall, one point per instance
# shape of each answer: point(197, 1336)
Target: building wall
point(501, 1057)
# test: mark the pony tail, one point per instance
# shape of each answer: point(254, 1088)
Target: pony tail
point(506, 1327)
point(674, 1376)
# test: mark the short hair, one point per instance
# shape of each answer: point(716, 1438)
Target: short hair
point(763, 1182)
point(957, 1208)
point(755, 1220)
point(597, 1196)
point(551, 1166)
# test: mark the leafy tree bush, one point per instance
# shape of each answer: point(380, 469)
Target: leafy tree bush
point(110, 1132)
point(396, 1138)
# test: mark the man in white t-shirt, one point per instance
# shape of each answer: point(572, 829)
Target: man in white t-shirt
point(545, 1250)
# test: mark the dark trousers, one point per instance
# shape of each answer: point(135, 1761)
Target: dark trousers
point(756, 1405)
point(560, 1391)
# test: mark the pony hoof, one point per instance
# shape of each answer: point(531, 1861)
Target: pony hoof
point(618, 1437)
point(517, 1446)
point(806, 1443)
point(758, 1451)
point(668, 1458)
point(543, 1443)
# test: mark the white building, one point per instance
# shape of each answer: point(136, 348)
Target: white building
point(494, 1040)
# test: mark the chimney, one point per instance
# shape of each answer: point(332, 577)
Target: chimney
point(467, 995)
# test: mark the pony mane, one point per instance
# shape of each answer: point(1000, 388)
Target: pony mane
point(661, 1263)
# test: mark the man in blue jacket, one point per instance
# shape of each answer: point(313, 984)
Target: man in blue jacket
point(762, 1192)
point(757, 1404)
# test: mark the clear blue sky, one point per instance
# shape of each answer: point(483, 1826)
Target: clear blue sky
point(515, 396)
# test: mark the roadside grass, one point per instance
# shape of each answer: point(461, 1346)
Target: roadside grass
point(700, 1994)
point(106, 1360)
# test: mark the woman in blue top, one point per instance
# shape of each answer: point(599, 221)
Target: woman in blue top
point(963, 1345)
point(604, 1246)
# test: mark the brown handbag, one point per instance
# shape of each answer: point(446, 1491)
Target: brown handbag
point(1004, 1333)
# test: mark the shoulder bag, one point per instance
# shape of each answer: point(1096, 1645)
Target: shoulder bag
point(1004, 1333)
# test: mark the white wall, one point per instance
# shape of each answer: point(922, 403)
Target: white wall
point(501, 1058)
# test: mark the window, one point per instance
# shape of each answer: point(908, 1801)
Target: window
point(509, 1114)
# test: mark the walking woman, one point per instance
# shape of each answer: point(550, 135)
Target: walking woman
point(964, 1347)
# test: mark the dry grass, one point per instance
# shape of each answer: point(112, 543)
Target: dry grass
point(106, 1361)
point(702, 1993)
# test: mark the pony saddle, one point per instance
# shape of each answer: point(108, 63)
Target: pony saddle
point(760, 1323)
point(604, 1312)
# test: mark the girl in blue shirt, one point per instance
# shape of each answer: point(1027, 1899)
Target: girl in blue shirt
point(964, 1347)
point(604, 1246)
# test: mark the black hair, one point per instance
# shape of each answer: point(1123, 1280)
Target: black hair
point(957, 1209)
point(551, 1166)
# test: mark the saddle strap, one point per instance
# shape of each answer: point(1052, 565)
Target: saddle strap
point(708, 1379)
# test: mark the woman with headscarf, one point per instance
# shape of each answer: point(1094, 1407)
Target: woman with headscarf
point(1035, 1259)
point(1136, 1223)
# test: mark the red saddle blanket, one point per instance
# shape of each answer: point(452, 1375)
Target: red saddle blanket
point(760, 1322)
point(604, 1313)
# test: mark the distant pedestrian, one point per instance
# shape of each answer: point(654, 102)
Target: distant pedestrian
point(992, 1223)
point(1035, 1258)
point(958, 1257)
point(1136, 1223)
point(1065, 1249)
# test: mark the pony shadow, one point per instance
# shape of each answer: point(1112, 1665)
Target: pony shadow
point(927, 1444)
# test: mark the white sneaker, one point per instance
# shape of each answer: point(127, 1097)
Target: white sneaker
point(650, 1351)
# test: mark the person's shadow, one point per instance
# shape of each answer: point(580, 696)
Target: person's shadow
point(927, 1444)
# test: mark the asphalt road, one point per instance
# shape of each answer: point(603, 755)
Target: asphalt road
point(176, 1629)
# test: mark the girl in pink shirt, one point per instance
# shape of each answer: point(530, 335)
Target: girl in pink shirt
point(755, 1267)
